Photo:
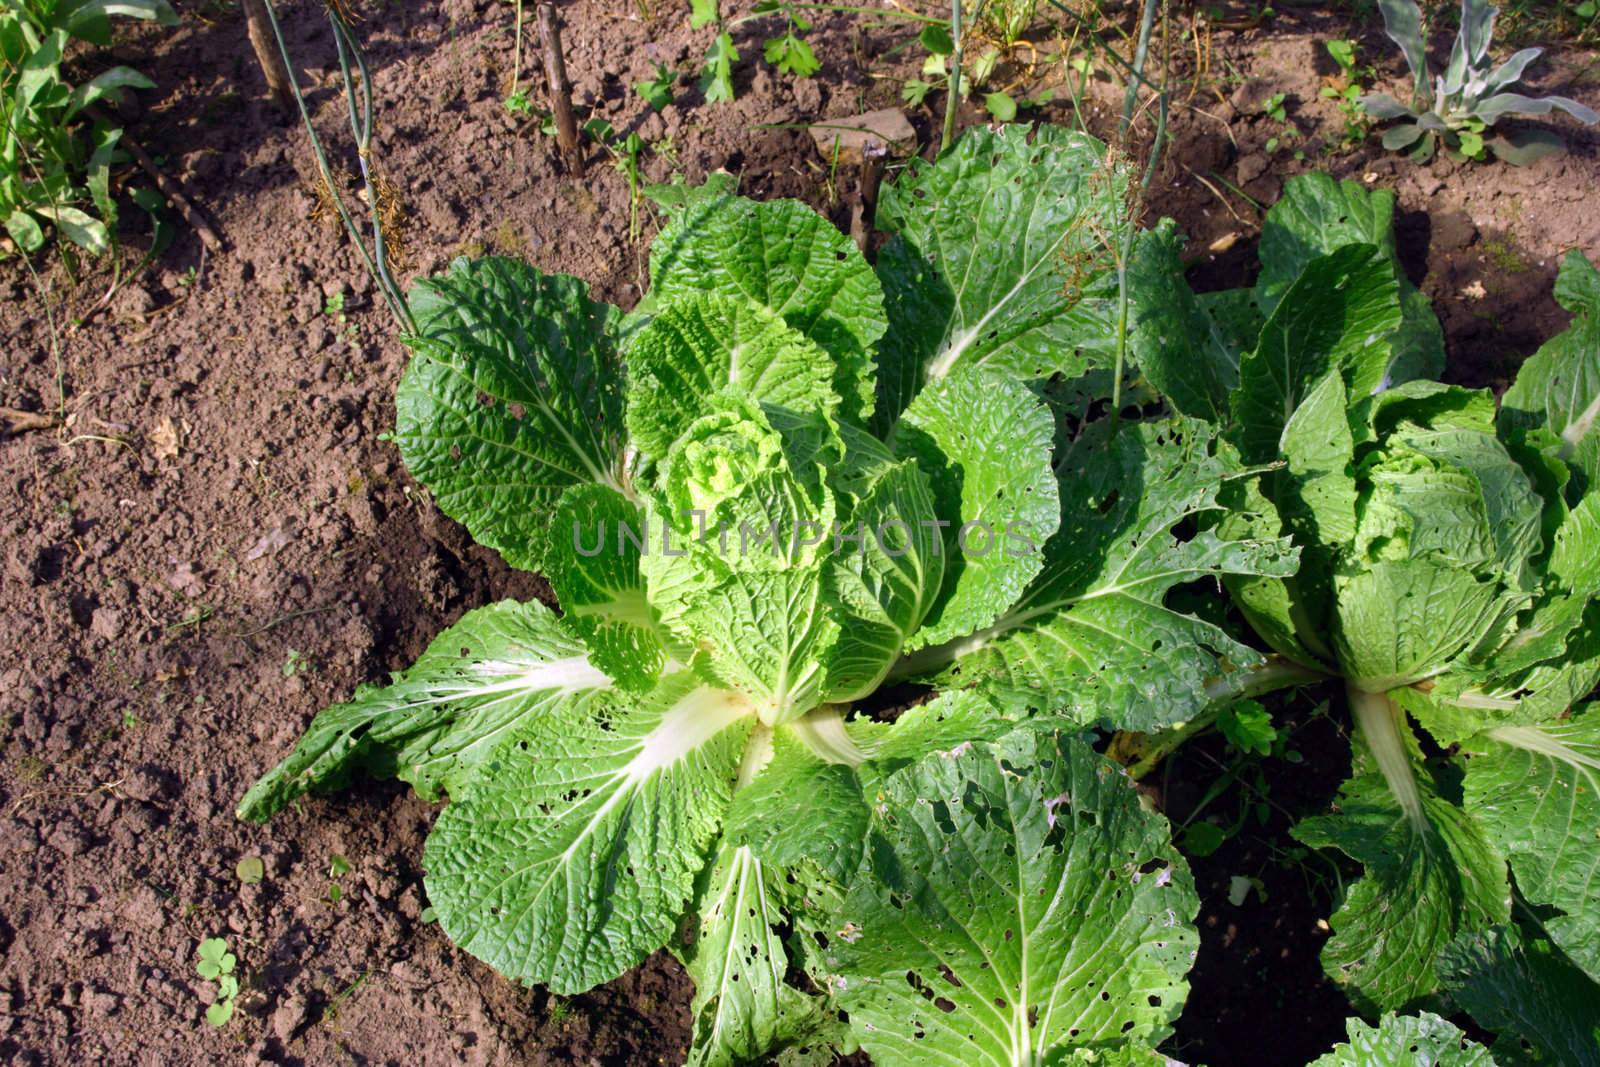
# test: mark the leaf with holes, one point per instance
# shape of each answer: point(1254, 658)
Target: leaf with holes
point(1018, 903)
point(835, 551)
point(1094, 636)
point(1431, 872)
point(1001, 257)
point(1406, 1041)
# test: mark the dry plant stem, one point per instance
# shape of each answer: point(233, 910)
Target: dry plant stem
point(169, 188)
point(362, 126)
point(361, 130)
point(516, 53)
point(555, 69)
point(260, 30)
point(873, 156)
point(23, 421)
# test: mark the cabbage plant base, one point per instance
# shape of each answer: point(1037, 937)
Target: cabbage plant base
point(673, 760)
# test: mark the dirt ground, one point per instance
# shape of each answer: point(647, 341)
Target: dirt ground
point(220, 540)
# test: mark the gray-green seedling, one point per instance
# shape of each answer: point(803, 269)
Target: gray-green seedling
point(1460, 106)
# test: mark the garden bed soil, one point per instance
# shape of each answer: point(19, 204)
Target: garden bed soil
point(219, 540)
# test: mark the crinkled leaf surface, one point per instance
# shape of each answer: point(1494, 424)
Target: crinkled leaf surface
point(699, 345)
point(942, 724)
point(886, 580)
point(1431, 874)
point(1423, 1040)
point(1401, 621)
point(750, 518)
point(1441, 560)
point(1572, 584)
point(1094, 635)
point(573, 860)
point(1335, 316)
point(985, 442)
point(784, 256)
point(769, 635)
point(1019, 901)
point(437, 723)
point(593, 566)
point(514, 393)
point(810, 802)
point(1465, 702)
point(1559, 387)
point(1451, 495)
point(1187, 354)
point(802, 806)
point(1317, 215)
point(1429, 405)
point(1522, 987)
point(1001, 258)
point(1536, 791)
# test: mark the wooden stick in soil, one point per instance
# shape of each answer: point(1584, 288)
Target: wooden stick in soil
point(267, 54)
point(169, 188)
point(873, 156)
point(14, 421)
point(555, 69)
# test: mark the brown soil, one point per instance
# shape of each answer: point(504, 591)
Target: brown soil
point(219, 541)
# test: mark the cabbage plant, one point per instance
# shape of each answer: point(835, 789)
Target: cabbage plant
point(786, 482)
point(1449, 563)
point(850, 561)
point(1460, 105)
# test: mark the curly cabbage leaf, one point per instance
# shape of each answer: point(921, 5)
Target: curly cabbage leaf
point(514, 394)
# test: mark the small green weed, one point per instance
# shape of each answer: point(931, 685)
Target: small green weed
point(338, 867)
point(217, 964)
point(1347, 89)
point(657, 91)
point(56, 150)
